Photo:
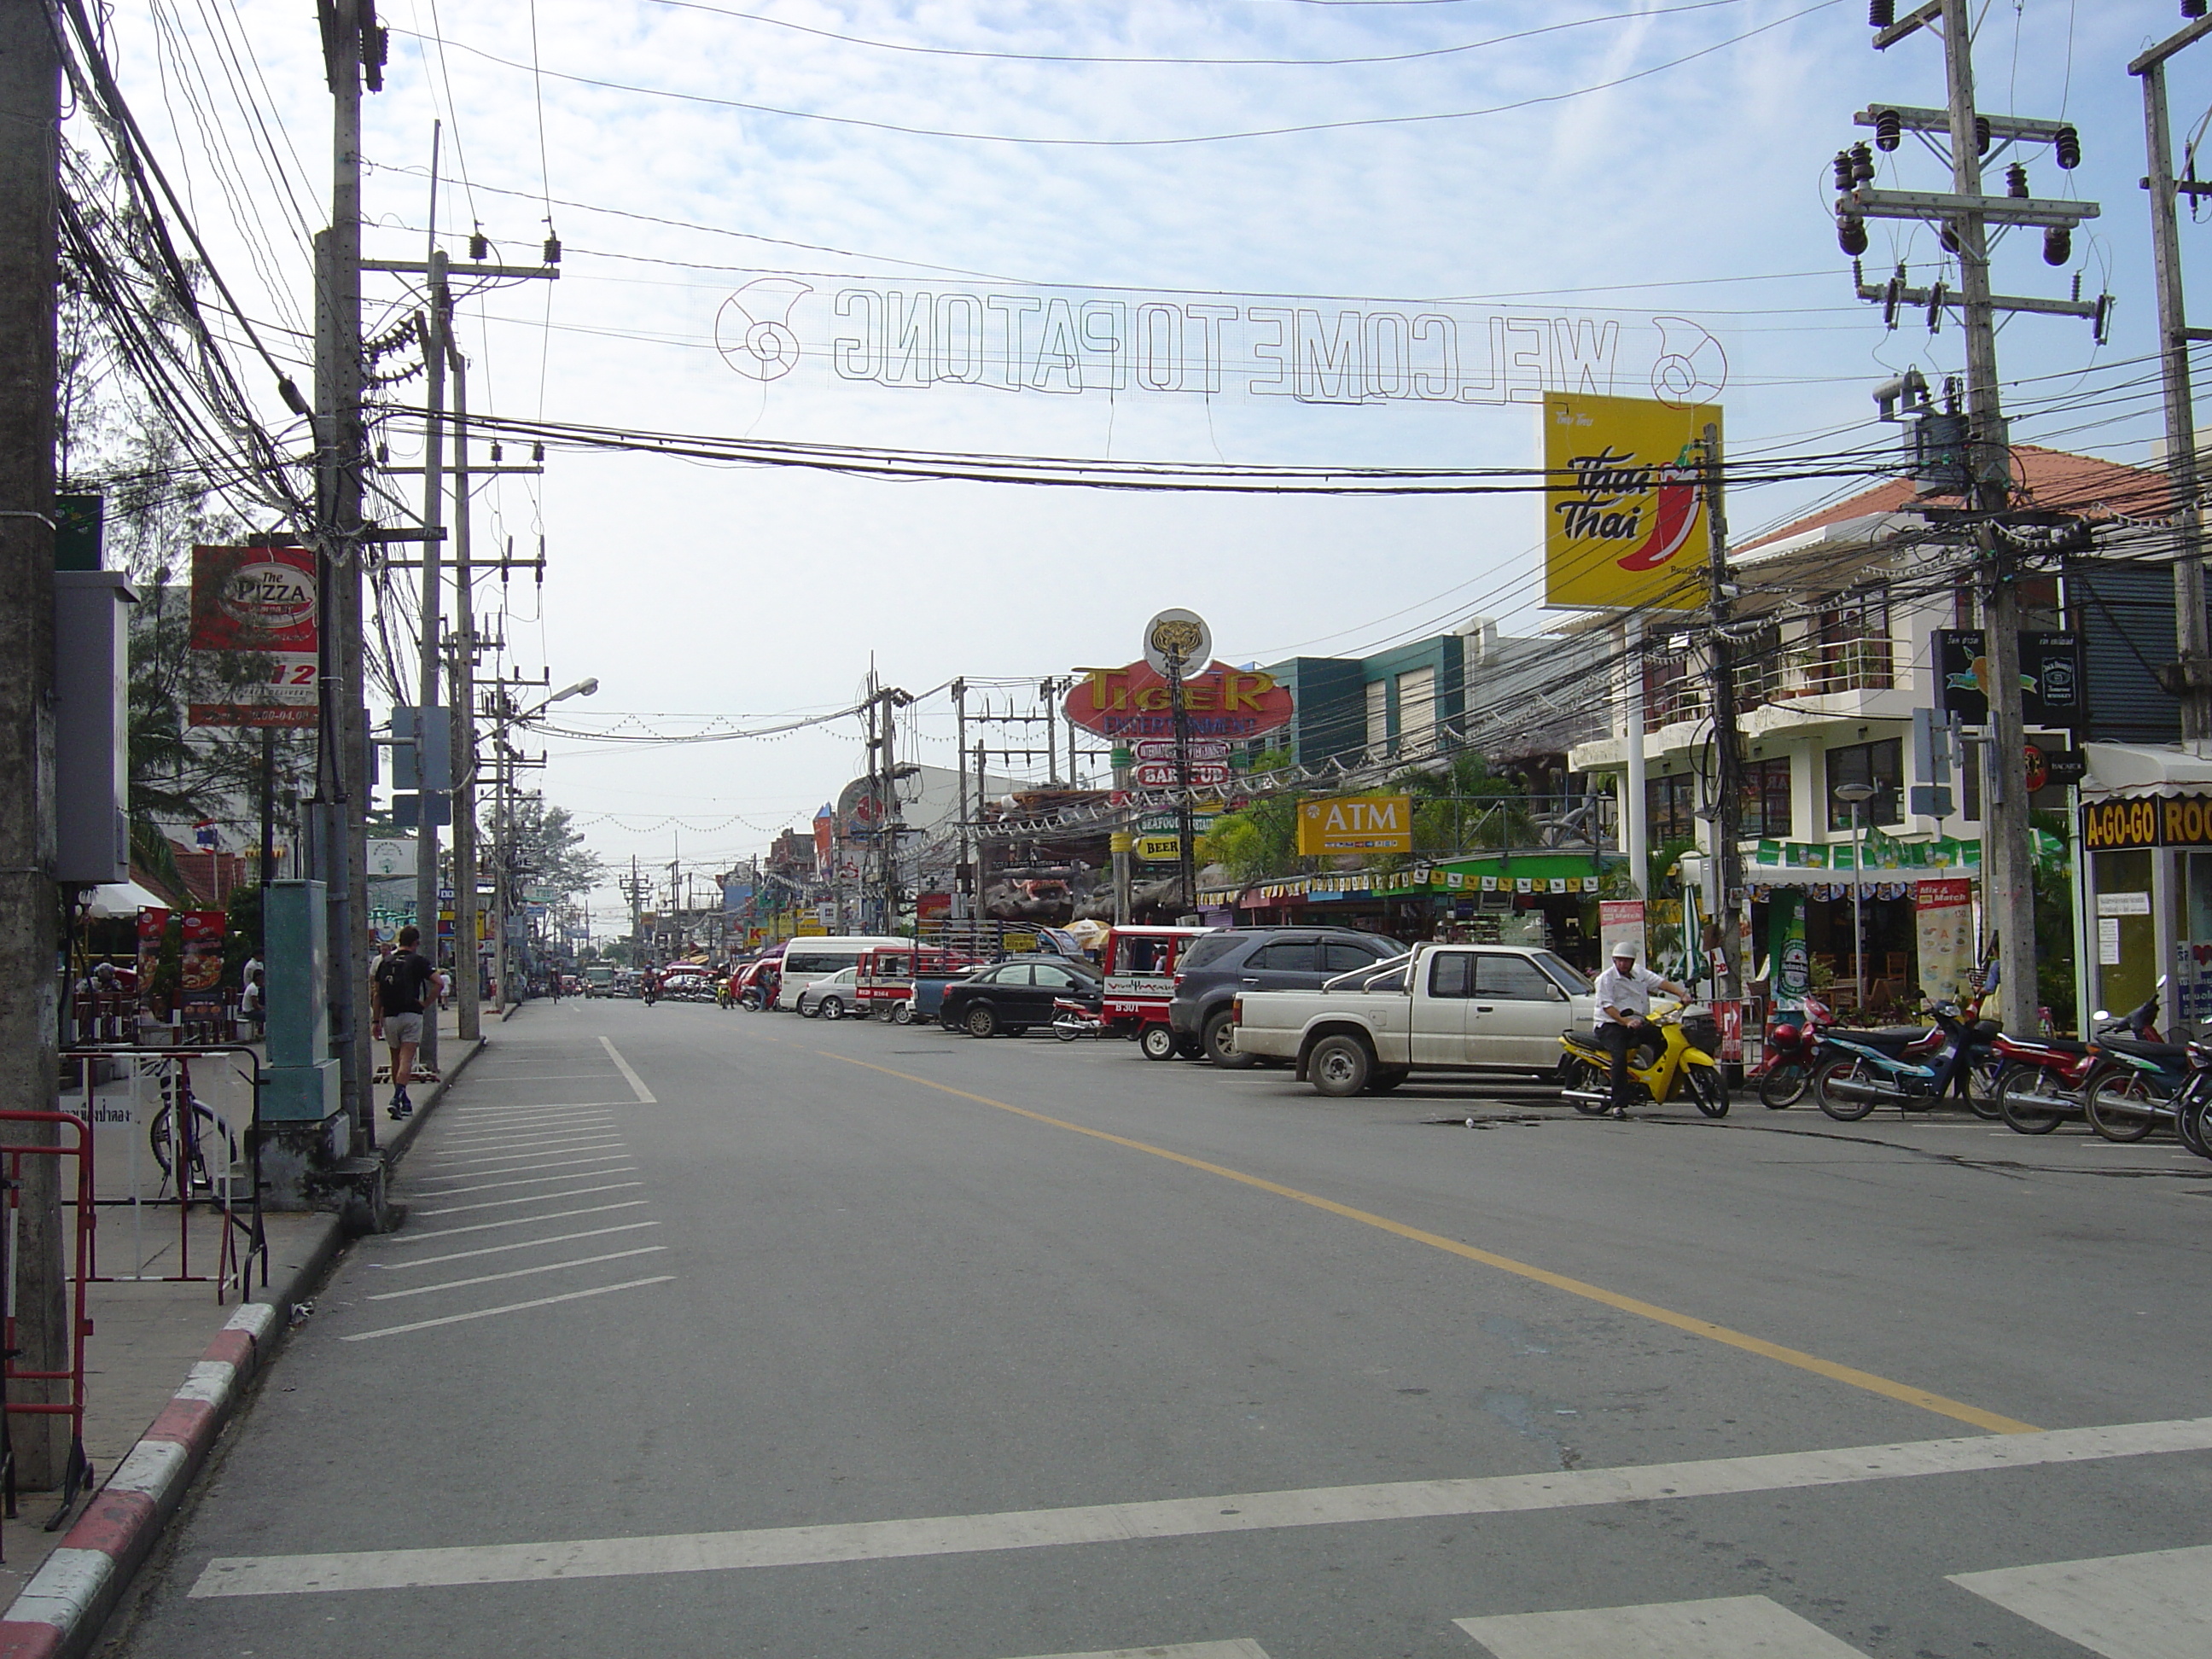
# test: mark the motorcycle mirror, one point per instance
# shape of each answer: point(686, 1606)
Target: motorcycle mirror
point(2161, 981)
point(2102, 1014)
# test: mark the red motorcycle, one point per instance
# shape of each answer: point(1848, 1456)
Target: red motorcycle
point(2047, 1080)
point(1786, 1070)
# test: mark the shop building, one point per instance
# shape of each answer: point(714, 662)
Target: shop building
point(1837, 648)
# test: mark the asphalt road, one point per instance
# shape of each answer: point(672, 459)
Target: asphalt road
point(713, 1334)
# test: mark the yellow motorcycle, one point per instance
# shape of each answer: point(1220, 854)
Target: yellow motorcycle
point(1686, 1040)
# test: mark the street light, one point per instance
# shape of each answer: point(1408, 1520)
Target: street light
point(1857, 795)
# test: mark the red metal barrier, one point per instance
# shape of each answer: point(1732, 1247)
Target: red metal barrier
point(12, 1151)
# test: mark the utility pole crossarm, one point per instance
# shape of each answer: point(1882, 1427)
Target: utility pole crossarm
point(1937, 204)
point(422, 268)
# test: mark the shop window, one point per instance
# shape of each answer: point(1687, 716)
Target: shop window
point(1417, 711)
point(1767, 798)
point(1670, 807)
point(1851, 649)
point(1879, 764)
point(1378, 720)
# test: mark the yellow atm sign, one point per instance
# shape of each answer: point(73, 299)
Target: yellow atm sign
point(1356, 823)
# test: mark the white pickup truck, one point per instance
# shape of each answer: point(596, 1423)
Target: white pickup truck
point(1441, 1008)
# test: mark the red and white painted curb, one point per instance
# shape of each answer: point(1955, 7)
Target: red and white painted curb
point(60, 1611)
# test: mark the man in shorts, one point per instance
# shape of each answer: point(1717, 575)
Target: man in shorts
point(401, 982)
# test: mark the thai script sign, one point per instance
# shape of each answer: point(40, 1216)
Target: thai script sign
point(1069, 341)
point(1626, 522)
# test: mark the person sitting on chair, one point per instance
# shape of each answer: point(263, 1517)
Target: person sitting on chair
point(1624, 1010)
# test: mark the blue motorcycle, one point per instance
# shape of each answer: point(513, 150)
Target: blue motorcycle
point(1913, 1068)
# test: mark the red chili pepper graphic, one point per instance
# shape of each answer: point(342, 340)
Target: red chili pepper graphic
point(1677, 515)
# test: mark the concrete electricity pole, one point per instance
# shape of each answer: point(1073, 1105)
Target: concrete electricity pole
point(435, 348)
point(30, 197)
point(1724, 888)
point(2190, 679)
point(1964, 217)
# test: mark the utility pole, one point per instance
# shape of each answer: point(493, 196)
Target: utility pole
point(2190, 679)
point(1963, 217)
point(351, 42)
point(1724, 867)
point(30, 271)
point(435, 347)
point(468, 954)
point(961, 875)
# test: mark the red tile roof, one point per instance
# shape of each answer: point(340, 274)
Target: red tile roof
point(2046, 477)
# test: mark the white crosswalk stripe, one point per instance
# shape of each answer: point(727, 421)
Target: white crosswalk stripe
point(1728, 1627)
point(2157, 1604)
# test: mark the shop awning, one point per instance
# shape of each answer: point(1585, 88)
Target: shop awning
point(1790, 875)
point(124, 898)
point(2142, 768)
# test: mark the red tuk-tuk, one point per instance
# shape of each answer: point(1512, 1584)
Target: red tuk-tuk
point(1140, 966)
point(889, 974)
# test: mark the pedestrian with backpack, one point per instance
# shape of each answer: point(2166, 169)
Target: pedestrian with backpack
point(399, 984)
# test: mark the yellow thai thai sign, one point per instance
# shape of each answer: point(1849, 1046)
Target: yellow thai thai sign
point(1624, 520)
point(1355, 823)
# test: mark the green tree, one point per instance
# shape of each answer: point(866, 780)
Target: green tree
point(1259, 839)
point(548, 850)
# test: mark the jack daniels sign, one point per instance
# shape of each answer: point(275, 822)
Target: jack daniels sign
point(2050, 677)
point(1076, 340)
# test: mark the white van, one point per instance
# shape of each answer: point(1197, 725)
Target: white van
point(806, 959)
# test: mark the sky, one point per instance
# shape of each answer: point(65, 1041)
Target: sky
point(1564, 166)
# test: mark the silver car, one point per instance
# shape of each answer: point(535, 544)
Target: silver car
point(833, 998)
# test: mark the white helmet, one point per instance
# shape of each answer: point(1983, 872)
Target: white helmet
point(1624, 950)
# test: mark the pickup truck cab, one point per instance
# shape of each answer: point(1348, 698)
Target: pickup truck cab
point(1469, 1008)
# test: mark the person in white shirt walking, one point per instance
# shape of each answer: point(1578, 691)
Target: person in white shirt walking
point(1624, 1013)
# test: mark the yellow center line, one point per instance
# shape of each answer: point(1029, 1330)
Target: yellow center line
point(1850, 1374)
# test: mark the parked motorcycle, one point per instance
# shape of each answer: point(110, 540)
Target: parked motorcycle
point(1911, 1068)
point(2047, 1080)
point(1785, 1071)
point(1071, 1020)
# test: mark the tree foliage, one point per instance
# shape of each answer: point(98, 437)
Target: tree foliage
point(546, 850)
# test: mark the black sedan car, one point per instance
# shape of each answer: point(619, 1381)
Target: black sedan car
point(1013, 996)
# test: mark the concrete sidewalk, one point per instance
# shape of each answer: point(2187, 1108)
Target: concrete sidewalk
point(165, 1336)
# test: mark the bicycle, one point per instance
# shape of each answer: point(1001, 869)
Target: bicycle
point(202, 1128)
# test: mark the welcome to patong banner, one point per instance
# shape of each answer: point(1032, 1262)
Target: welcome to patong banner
point(1075, 341)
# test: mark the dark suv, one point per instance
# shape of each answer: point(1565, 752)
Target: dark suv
point(1215, 967)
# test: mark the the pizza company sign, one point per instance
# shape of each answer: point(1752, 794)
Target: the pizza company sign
point(1133, 702)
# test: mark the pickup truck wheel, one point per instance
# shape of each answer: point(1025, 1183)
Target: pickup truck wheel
point(1387, 1078)
point(1156, 1042)
point(1340, 1066)
point(1221, 1044)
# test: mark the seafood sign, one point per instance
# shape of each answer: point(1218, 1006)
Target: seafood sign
point(1069, 341)
point(1626, 521)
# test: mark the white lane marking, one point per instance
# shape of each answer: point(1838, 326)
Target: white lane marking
point(501, 1249)
point(1727, 1627)
point(507, 1143)
point(513, 1221)
point(542, 1198)
point(599, 1153)
point(582, 1144)
point(508, 1308)
point(518, 1272)
point(1183, 1517)
point(636, 1083)
point(533, 1181)
point(487, 1120)
point(552, 1078)
point(585, 1155)
point(2154, 1606)
point(1243, 1648)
